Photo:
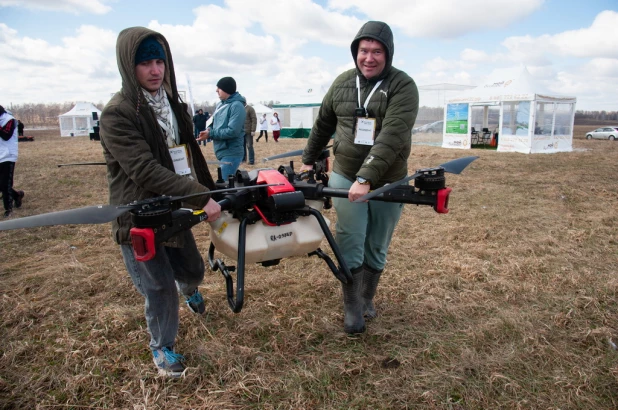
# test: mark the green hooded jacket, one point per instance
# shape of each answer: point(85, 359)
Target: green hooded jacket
point(139, 165)
point(394, 105)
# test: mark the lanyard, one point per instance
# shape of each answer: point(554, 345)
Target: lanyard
point(375, 87)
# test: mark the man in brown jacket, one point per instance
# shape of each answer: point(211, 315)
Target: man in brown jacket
point(250, 126)
point(142, 127)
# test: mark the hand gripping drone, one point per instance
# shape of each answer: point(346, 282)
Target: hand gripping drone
point(270, 214)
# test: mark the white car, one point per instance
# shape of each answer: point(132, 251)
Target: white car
point(603, 133)
point(431, 128)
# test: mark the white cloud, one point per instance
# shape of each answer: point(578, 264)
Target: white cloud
point(442, 18)
point(69, 6)
point(298, 21)
point(79, 68)
point(281, 48)
point(598, 40)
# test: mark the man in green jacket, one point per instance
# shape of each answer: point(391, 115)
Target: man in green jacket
point(250, 126)
point(149, 148)
point(371, 110)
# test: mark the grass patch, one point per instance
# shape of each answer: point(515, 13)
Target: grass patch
point(508, 301)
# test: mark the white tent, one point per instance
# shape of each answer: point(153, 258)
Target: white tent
point(261, 109)
point(297, 117)
point(516, 110)
point(79, 121)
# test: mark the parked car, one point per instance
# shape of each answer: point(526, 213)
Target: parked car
point(437, 126)
point(603, 133)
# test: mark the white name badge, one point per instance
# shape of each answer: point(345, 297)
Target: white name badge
point(179, 156)
point(365, 131)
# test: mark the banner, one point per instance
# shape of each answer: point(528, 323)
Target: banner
point(457, 118)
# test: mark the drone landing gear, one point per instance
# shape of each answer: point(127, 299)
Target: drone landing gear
point(342, 273)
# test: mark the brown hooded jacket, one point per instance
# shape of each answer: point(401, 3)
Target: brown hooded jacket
point(139, 165)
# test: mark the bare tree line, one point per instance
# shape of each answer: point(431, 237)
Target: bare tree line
point(46, 114)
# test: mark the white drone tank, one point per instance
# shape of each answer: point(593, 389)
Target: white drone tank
point(266, 242)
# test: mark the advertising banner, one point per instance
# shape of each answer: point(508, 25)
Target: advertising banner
point(457, 118)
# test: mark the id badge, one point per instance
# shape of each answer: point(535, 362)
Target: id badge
point(179, 157)
point(365, 131)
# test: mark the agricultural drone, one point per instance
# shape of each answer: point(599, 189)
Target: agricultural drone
point(269, 214)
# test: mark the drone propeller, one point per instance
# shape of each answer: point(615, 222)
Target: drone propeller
point(103, 163)
point(100, 214)
point(454, 167)
point(288, 154)
point(80, 164)
point(97, 214)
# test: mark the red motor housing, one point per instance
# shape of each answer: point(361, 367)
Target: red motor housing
point(143, 240)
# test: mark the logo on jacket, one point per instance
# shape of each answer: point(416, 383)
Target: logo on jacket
point(384, 92)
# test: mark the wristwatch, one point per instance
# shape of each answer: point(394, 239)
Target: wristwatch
point(363, 181)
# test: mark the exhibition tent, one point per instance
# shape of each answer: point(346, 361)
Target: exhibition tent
point(261, 109)
point(513, 111)
point(79, 121)
point(297, 116)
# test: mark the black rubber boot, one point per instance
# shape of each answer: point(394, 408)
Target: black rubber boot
point(371, 277)
point(353, 322)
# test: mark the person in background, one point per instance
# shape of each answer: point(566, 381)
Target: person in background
point(8, 158)
point(263, 128)
point(227, 128)
point(275, 124)
point(371, 110)
point(20, 128)
point(199, 120)
point(195, 131)
point(250, 126)
point(150, 150)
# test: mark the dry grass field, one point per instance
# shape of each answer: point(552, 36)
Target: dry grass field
point(509, 301)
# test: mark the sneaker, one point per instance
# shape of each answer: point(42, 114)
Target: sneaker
point(7, 213)
point(168, 362)
point(196, 302)
point(20, 196)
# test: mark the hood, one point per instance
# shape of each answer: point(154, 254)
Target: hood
point(128, 41)
point(381, 32)
point(235, 97)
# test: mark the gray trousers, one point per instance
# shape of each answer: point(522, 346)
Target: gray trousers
point(363, 230)
point(159, 280)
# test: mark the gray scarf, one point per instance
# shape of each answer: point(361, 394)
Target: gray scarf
point(163, 111)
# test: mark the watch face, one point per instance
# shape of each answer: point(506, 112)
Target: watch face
point(361, 180)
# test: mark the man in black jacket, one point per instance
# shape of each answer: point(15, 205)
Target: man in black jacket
point(199, 121)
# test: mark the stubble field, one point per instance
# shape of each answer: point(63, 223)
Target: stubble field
point(508, 301)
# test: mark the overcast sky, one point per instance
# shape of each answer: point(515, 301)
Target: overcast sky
point(64, 50)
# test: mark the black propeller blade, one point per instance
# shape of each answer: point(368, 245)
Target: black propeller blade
point(80, 164)
point(216, 191)
point(457, 165)
point(98, 214)
point(454, 167)
point(288, 154)
point(103, 163)
point(284, 155)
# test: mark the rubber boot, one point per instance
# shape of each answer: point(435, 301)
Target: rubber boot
point(353, 322)
point(371, 277)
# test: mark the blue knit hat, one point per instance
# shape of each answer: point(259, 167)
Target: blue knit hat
point(149, 49)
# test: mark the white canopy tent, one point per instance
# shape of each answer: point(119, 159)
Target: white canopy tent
point(261, 109)
point(78, 121)
point(516, 110)
point(297, 117)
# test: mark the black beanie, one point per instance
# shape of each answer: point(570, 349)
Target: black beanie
point(227, 84)
point(149, 49)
